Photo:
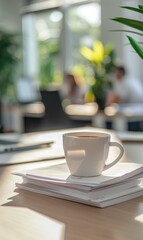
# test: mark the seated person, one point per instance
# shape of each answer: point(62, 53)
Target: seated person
point(125, 89)
point(71, 90)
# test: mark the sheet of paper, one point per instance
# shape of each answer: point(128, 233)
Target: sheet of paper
point(120, 171)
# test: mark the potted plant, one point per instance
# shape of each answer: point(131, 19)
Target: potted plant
point(135, 24)
point(101, 60)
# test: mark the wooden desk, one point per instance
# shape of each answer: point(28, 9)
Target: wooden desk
point(20, 214)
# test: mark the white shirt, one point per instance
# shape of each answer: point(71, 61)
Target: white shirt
point(130, 90)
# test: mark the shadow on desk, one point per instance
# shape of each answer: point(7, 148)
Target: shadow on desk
point(31, 222)
point(120, 217)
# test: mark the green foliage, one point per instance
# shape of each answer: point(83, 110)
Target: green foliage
point(47, 51)
point(102, 62)
point(8, 60)
point(135, 24)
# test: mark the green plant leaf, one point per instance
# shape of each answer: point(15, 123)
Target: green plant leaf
point(130, 22)
point(136, 46)
point(140, 6)
point(136, 24)
point(139, 10)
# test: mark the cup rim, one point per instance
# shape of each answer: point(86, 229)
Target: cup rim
point(77, 134)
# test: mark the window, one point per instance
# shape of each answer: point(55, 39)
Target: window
point(48, 29)
point(52, 39)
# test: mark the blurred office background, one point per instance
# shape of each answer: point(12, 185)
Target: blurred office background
point(49, 35)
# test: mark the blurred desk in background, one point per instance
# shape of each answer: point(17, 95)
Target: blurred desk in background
point(119, 115)
point(13, 115)
point(35, 109)
point(82, 111)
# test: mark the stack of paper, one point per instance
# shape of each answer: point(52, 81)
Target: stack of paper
point(120, 183)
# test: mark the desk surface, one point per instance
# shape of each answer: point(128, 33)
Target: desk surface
point(26, 215)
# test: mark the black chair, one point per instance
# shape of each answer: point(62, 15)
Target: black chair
point(55, 116)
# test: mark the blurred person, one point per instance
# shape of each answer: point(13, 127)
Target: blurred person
point(126, 89)
point(72, 91)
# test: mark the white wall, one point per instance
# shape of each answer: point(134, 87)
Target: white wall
point(125, 53)
point(111, 9)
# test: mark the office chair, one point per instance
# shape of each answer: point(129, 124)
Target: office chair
point(55, 116)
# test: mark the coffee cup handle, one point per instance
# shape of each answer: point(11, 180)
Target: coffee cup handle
point(115, 144)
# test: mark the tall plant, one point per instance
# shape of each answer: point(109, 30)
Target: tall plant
point(8, 60)
point(102, 62)
point(136, 25)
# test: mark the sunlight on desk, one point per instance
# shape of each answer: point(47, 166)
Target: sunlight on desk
point(22, 223)
point(139, 218)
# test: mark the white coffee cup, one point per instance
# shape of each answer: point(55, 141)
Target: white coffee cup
point(86, 152)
